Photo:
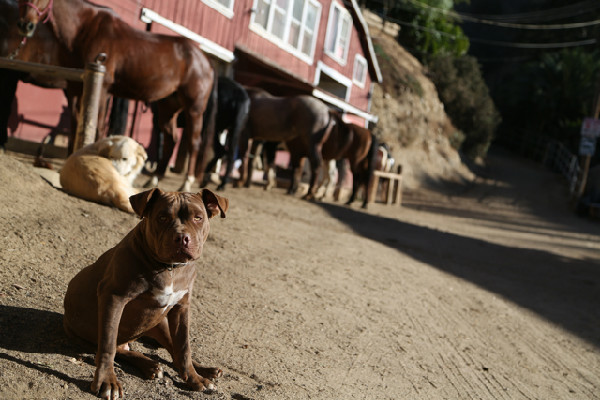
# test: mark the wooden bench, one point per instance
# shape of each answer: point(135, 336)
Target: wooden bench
point(393, 194)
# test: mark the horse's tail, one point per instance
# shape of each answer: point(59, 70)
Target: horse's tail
point(323, 134)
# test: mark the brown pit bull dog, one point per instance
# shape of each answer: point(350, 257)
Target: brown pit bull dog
point(143, 286)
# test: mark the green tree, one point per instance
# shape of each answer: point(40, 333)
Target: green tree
point(429, 28)
point(467, 101)
point(550, 96)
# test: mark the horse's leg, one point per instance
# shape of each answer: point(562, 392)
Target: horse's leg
point(243, 149)
point(249, 167)
point(8, 88)
point(73, 104)
point(355, 184)
point(270, 150)
point(163, 127)
point(117, 121)
point(327, 180)
point(297, 163)
point(342, 169)
point(233, 142)
point(219, 152)
point(316, 163)
point(193, 133)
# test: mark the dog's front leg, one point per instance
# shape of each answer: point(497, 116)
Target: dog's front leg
point(110, 309)
point(178, 319)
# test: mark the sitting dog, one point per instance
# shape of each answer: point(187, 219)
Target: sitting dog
point(104, 171)
point(143, 287)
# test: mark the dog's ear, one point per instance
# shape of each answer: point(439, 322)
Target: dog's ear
point(139, 202)
point(104, 148)
point(214, 203)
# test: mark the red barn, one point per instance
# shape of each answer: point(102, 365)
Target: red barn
point(318, 47)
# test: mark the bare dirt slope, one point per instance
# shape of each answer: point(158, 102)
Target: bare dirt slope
point(412, 119)
point(489, 293)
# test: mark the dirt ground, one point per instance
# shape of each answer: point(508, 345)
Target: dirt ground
point(489, 291)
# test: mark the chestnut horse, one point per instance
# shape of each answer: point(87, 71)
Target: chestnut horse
point(144, 66)
point(358, 145)
point(302, 122)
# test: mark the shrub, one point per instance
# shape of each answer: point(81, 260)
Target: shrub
point(467, 101)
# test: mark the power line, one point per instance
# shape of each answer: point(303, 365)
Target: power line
point(467, 17)
point(519, 45)
point(548, 14)
point(555, 45)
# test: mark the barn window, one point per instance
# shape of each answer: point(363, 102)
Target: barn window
point(337, 40)
point(225, 7)
point(292, 24)
point(359, 76)
point(332, 81)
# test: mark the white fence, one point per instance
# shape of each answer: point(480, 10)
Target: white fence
point(560, 159)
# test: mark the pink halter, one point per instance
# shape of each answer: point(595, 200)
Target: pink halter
point(39, 12)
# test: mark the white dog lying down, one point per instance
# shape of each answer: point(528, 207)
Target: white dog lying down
point(104, 171)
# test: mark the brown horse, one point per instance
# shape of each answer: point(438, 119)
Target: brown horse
point(358, 145)
point(140, 65)
point(302, 122)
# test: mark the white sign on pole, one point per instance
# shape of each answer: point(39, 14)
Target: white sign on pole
point(590, 127)
point(587, 146)
point(590, 130)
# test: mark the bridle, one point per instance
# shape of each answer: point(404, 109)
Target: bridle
point(47, 10)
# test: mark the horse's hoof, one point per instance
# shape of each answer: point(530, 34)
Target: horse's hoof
point(187, 185)
point(152, 182)
point(310, 197)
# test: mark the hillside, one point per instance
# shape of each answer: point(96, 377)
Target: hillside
point(411, 116)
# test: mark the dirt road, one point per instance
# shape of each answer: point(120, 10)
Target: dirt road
point(490, 293)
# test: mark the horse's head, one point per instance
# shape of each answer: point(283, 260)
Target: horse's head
point(31, 12)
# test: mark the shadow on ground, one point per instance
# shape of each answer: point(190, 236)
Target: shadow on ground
point(562, 290)
point(28, 331)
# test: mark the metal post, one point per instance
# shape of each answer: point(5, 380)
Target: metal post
point(88, 112)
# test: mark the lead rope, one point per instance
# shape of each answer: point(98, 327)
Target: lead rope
point(15, 53)
point(47, 10)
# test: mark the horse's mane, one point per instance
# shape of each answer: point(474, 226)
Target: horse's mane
point(101, 7)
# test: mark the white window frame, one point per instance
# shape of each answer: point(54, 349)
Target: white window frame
point(283, 43)
point(343, 14)
point(334, 74)
point(359, 59)
point(215, 4)
point(147, 16)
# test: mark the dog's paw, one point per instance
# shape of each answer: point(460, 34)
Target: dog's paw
point(199, 383)
point(107, 386)
point(152, 370)
point(207, 372)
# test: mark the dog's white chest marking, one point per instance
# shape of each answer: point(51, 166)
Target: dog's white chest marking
point(165, 297)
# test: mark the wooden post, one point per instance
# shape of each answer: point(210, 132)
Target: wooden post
point(93, 77)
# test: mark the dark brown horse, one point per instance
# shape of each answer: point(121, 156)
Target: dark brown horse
point(145, 66)
point(358, 145)
point(302, 122)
